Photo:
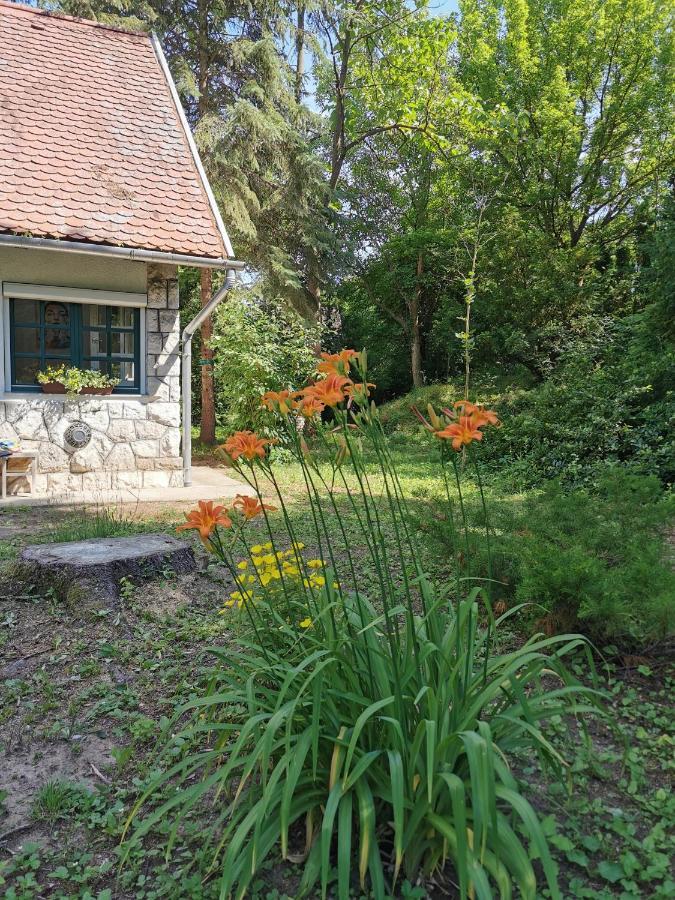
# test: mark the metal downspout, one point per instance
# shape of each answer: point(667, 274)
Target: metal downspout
point(186, 369)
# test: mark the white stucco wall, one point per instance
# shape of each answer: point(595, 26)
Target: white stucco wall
point(71, 270)
point(135, 439)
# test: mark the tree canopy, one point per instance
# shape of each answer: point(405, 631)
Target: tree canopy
point(478, 181)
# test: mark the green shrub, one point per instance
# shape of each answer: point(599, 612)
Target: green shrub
point(258, 346)
point(593, 560)
point(610, 400)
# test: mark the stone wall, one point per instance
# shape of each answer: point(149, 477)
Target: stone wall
point(135, 441)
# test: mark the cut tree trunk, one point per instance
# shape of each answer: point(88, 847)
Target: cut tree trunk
point(87, 574)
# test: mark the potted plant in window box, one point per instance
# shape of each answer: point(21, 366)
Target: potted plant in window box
point(97, 383)
point(72, 380)
point(52, 380)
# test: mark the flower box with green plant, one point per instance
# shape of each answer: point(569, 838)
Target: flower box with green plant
point(379, 713)
point(71, 380)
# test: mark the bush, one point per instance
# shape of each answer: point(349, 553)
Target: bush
point(597, 560)
point(609, 401)
point(369, 705)
point(593, 561)
point(258, 346)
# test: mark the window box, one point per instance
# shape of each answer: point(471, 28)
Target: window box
point(99, 392)
point(53, 387)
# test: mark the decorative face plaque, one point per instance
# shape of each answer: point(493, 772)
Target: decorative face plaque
point(77, 435)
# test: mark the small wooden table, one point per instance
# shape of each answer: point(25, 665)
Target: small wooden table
point(31, 455)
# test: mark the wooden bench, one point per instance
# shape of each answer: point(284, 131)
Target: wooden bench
point(5, 472)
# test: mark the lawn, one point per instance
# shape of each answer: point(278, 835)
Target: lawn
point(84, 701)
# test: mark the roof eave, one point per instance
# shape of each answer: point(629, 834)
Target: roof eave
point(131, 253)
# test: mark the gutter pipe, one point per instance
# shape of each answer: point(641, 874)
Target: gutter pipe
point(186, 363)
point(140, 255)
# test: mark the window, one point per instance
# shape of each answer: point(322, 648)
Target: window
point(52, 333)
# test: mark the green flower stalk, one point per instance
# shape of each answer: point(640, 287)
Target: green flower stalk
point(374, 711)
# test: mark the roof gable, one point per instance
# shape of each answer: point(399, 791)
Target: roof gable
point(92, 145)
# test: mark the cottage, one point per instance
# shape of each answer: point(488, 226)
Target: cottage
point(102, 197)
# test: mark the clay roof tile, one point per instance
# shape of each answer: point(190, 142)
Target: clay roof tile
point(91, 142)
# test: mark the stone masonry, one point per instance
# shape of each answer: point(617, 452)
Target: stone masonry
point(135, 440)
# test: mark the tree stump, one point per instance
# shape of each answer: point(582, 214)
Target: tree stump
point(88, 573)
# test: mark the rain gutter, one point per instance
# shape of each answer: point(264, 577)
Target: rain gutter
point(132, 253)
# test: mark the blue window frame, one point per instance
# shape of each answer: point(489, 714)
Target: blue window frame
point(51, 333)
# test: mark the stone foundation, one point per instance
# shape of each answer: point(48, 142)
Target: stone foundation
point(135, 440)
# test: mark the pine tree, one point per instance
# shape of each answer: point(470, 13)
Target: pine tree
point(242, 90)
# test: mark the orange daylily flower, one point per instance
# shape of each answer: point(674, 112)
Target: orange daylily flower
point(278, 401)
point(481, 415)
point(246, 444)
point(309, 406)
point(461, 433)
point(250, 507)
point(330, 391)
point(466, 406)
point(486, 417)
point(205, 519)
point(336, 363)
point(359, 393)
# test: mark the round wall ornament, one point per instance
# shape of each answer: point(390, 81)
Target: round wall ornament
point(77, 436)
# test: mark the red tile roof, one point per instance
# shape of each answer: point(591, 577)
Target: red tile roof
point(91, 144)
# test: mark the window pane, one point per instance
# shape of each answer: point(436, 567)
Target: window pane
point(26, 311)
point(57, 314)
point(121, 317)
point(25, 370)
point(96, 365)
point(56, 363)
point(122, 343)
point(125, 371)
point(93, 315)
point(57, 341)
point(27, 340)
point(94, 343)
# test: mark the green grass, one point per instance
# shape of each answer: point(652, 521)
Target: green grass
point(611, 838)
point(83, 525)
point(58, 799)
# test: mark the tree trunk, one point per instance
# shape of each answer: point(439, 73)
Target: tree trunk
point(300, 55)
point(415, 329)
point(416, 355)
point(207, 433)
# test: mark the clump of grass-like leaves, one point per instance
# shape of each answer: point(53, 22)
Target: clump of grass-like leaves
point(379, 722)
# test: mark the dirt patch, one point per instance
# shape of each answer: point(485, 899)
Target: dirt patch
point(27, 769)
point(77, 691)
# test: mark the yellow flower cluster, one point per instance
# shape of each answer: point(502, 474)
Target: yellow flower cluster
point(266, 566)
